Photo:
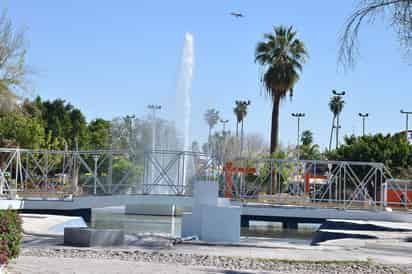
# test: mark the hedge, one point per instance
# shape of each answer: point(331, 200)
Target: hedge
point(10, 235)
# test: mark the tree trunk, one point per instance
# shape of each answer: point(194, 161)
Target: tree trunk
point(275, 125)
point(337, 131)
point(241, 139)
point(331, 133)
point(237, 128)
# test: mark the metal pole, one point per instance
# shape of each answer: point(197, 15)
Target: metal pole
point(153, 108)
point(406, 121)
point(298, 115)
point(95, 158)
point(222, 149)
point(298, 133)
point(363, 116)
point(363, 126)
point(110, 173)
point(337, 131)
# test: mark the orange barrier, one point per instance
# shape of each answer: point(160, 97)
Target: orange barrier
point(229, 171)
point(309, 176)
point(394, 197)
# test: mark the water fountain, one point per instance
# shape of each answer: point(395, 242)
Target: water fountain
point(184, 100)
point(184, 92)
point(169, 147)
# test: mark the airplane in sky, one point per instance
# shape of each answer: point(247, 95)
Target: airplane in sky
point(237, 14)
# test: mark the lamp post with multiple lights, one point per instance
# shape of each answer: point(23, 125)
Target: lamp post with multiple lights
point(406, 113)
point(363, 116)
point(298, 115)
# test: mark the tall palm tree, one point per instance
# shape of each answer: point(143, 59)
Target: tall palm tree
point(211, 118)
point(281, 56)
point(336, 104)
point(238, 113)
point(242, 106)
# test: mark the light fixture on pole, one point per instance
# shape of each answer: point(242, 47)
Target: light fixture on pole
point(407, 113)
point(224, 122)
point(298, 115)
point(154, 108)
point(363, 116)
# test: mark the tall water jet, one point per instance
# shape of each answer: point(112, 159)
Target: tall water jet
point(184, 97)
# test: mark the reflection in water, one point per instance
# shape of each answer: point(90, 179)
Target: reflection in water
point(114, 218)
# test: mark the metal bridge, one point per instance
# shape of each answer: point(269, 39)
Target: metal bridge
point(70, 180)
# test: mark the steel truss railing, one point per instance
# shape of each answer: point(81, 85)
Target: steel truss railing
point(173, 172)
point(48, 172)
point(342, 184)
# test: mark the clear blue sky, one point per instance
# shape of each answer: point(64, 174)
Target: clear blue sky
point(112, 58)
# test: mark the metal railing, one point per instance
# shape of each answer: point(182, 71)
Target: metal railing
point(173, 172)
point(321, 183)
point(38, 173)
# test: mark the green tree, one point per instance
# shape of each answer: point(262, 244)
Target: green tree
point(99, 134)
point(64, 122)
point(306, 138)
point(211, 118)
point(240, 111)
point(281, 56)
point(336, 105)
point(392, 150)
point(309, 150)
point(20, 130)
point(78, 130)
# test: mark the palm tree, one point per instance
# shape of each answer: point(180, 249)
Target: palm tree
point(309, 150)
point(281, 56)
point(241, 107)
point(211, 118)
point(238, 113)
point(336, 104)
point(307, 137)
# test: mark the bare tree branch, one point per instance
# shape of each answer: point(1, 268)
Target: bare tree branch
point(13, 70)
point(400, 13)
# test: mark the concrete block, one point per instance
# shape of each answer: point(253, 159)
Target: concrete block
point(187, 225)
point(87, 237)
point(205, 193)
point(223, 202)
point(220, 224)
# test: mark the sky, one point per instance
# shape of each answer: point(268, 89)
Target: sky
point(112, 58)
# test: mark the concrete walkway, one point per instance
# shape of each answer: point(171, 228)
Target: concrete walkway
point(36, 265)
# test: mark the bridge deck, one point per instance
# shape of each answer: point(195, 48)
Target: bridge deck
point(250, 211)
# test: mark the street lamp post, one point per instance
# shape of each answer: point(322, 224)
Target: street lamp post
point(406, 122)
point(154, 108)
point(224, 122)
point(298, 115)
point(96, 159)
point(223, 148)
point(363, 116)
point(339, 94)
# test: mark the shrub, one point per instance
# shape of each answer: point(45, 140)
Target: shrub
point(10, 235)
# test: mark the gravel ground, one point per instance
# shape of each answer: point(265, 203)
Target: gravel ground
point(84, 260)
